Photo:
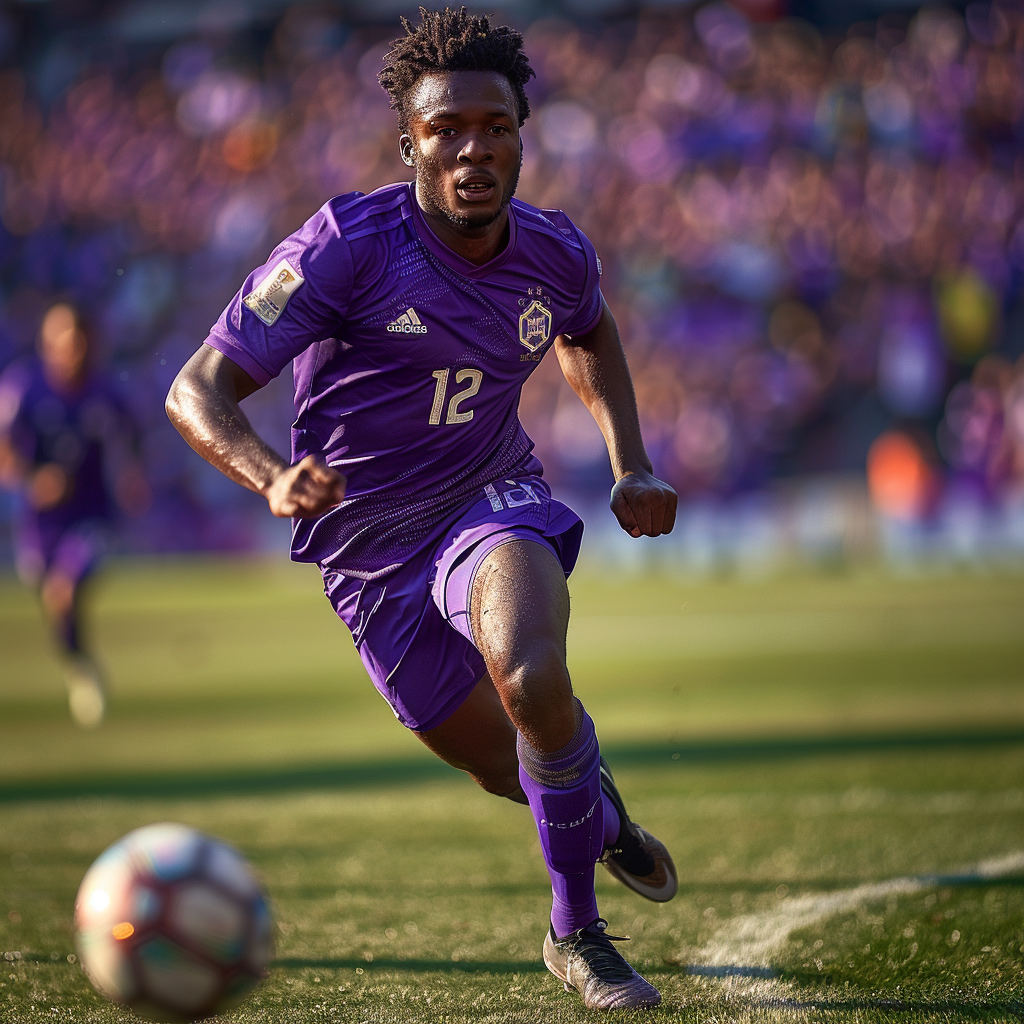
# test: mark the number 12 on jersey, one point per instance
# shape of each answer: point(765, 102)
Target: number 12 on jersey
point(475, 377)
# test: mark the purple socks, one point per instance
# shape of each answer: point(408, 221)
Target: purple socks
point(573, 820)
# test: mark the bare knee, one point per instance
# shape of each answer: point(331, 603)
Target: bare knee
point(537, 694)
point(532, 676)
point(520, 613)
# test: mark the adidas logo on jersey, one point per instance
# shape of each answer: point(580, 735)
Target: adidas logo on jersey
point(407, 323)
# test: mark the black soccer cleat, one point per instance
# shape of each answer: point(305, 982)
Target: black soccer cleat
point(638, 860)
point(587, 961)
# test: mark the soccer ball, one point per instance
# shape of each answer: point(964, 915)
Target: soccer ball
point(172, 924)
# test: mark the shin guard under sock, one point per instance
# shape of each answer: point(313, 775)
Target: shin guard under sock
point(564, 791)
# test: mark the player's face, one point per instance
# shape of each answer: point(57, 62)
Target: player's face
point(63, 345)
point(463, 140)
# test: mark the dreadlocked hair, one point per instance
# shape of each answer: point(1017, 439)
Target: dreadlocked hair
point(454, 40)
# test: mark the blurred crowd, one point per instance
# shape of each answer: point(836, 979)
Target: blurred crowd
point(809, 243)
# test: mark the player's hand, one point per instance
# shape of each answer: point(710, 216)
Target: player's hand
point(644, 505)
point(48, 486)
point(305, 490)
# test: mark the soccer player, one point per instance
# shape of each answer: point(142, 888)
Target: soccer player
point(65, 448)
point(412, 316)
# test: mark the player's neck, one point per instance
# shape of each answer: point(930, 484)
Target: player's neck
point(476, 245)
point(66, 383)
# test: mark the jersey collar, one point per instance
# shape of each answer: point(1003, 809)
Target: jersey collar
point(452, 259)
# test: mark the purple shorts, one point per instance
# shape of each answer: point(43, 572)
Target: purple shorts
point(73, 550)
point(411, 627)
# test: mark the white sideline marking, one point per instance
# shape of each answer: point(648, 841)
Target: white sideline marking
point(748, 942)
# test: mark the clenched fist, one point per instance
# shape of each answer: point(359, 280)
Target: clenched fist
point(306, 490)
point(644, 505)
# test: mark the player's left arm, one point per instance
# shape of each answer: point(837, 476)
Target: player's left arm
point(595, 366)
point(15, 469)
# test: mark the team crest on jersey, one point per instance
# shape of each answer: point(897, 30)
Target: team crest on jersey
point(268, 299)
point(535, 325)
point(407, 323)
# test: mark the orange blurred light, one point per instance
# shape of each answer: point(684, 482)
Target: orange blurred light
point(900, 479)
point(247, 147)
point(124, 930)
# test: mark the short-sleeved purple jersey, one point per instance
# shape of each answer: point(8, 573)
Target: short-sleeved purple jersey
point(408, 361)
point(77, 431)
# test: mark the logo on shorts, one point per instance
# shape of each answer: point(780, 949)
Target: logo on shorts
point(268, 299)
point(520, 494)
point(535, 325)
point(407, 323)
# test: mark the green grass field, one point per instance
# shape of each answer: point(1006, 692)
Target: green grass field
point(837, 763)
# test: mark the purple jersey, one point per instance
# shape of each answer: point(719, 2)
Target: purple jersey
point(408, 361)
point(77, 431)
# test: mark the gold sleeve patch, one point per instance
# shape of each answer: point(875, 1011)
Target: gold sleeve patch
point(268, 299)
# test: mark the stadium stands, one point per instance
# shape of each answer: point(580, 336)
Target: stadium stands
point(807, 240)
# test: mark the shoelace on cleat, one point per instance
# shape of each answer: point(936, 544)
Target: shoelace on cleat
point(603, 960)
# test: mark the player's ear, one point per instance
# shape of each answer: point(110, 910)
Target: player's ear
point(405, 148)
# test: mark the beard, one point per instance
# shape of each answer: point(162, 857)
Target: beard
point(430, 188)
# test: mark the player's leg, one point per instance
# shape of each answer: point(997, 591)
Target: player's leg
point(62, 592)
point(480, 739)
point(519, 615)
point(60, 597)
point(632, 855)
point(433, 677)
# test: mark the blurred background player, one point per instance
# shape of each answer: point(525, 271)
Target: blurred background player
point(65, 440)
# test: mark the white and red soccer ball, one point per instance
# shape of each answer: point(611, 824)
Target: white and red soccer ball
point(172, 924)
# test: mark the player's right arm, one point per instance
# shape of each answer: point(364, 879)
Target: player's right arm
point(43, 486)
point(203, 404)
point(14, 469)
point(310, 273)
